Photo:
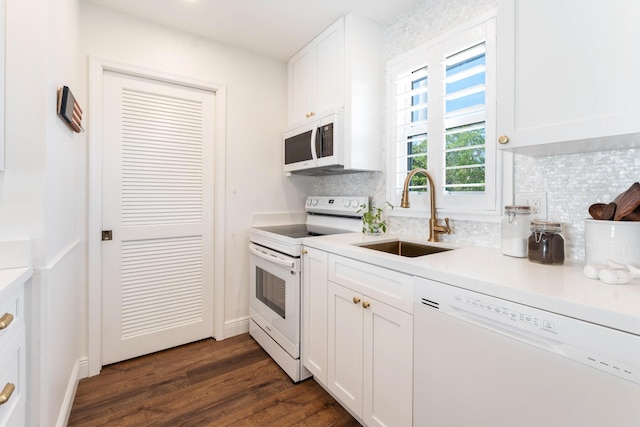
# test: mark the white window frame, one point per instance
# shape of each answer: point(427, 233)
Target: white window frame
point(499, 165)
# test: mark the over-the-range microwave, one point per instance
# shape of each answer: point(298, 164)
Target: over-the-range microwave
point(315, 147)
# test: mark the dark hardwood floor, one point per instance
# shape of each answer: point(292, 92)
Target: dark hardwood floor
point(207, 383)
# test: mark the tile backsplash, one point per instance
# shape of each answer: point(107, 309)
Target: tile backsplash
point(572, 182)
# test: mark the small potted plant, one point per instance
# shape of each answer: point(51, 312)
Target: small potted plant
point(372, 220)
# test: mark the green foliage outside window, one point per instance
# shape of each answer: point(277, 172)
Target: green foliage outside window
point(470, 159)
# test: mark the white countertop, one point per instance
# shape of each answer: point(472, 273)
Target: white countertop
point(12, 278)
point(560, 289)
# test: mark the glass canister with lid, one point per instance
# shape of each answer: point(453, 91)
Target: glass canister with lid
point(546, 243)
point(515, 230)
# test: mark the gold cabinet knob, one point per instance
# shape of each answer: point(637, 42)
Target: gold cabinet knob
point(304, 252)
point(7, 391)
point(6, 320)
point(365, 304)
point(503, 139)
point(356, 300)
point(311, 114)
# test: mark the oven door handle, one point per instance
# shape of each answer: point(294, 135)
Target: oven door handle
point(284, 263)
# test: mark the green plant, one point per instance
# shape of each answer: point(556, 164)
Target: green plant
point(372, 220)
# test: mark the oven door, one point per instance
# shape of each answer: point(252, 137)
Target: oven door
point(274, 299)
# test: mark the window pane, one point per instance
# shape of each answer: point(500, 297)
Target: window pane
point(465, 158)
point(465, 136)
point(465, 150)
point(417, 158)
point(465, 79)
point(420, 98)
point(465, 179)
point(417, 144)
point(473, 156)
point(465, 101)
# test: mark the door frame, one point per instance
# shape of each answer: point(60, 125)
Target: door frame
point(97, 68)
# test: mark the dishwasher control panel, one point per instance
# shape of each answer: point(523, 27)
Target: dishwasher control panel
point(600, 347)
point(499, 310)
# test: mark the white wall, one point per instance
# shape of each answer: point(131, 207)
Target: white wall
point(256, 105)
point(40, 193)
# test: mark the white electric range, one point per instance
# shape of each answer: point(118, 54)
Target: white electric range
point(275, 275)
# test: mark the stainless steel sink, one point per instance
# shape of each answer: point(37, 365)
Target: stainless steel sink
point(406, 249)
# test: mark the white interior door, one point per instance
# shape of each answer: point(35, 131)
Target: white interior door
point(157, 200)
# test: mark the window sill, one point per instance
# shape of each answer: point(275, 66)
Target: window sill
point(476, 216)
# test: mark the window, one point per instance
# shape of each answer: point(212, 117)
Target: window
point(443, 119)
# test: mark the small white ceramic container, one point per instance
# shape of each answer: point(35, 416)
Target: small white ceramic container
point(618, 241)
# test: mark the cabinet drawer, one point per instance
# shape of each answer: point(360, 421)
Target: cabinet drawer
point(14, 306)
point(390, 287)
point(13, 371)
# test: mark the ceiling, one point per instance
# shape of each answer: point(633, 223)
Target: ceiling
point(274, 28)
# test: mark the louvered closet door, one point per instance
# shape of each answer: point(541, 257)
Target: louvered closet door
point(157, 271)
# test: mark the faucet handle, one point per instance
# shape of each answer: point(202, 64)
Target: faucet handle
point(443, 228)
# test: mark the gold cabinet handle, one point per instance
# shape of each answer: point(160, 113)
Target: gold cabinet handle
point(7, 391)
point(6, 320)
point(503, 139)
point(356, 300)
point(365, 304)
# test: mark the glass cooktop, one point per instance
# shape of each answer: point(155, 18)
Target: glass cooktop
point(297, 231)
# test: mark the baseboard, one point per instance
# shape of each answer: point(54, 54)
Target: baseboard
point(236, 327)
point(69, 395)
point(83, 368)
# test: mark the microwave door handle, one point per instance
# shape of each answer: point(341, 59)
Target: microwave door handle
point(314, 132)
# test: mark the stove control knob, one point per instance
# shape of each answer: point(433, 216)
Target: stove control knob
point(354, 204)
point(308, 202)
point(314, 202)
point(346, 203)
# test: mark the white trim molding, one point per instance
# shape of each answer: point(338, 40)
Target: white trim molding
point(236, 326)
point(97, 68)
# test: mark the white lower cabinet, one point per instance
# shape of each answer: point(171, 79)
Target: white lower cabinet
point(370, 347)
point(12, 359)
point(314, 313)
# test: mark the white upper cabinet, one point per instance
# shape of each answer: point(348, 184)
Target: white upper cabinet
point(316, 75)
point(341, 71)
point(568, 75)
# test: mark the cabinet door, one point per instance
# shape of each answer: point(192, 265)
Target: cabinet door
point(316, 76)
point(314, 313)
point(301, 71)
point(13, 371)
point(330, 68)
point(345, 346)
point(387, 365)
point(566, 73)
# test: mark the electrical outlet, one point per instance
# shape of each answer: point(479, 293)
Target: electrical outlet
point(537, 202)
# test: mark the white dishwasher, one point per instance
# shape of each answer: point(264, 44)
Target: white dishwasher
point(483, 361)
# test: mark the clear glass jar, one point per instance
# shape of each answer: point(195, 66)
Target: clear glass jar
point(546, 243)
point(515, 230)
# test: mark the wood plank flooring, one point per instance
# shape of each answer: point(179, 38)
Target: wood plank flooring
point(207, 383)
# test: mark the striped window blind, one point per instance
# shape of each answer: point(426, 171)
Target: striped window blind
point(443, 120)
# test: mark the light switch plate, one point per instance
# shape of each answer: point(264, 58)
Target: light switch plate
point(537, 201)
